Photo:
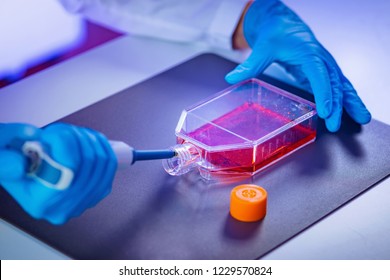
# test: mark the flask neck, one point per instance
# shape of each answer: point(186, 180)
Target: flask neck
point(187, 158)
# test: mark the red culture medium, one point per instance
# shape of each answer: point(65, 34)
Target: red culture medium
point(248, 125)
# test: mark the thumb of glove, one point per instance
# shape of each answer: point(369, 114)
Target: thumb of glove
point(254, 65)
point(12, 165)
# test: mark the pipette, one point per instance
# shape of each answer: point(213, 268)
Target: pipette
point(54, 175)
point(127, 155)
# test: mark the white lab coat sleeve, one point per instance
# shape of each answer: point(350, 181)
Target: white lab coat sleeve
point(211, 21)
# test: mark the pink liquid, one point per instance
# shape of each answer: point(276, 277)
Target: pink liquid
point(251, 122)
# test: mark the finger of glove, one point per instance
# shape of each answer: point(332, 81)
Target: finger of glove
point(354, 105)
point(105, 182)
point(254, 65)
point(333, 122)
point(96, 183)
point(12, 131)
point(62, 144)
point(89, 175)
point(60, 212)
point(317, 74)
point(12, 165)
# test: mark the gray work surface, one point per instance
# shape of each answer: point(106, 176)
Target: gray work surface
point(150, 215)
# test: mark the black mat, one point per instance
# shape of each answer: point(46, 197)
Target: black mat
point(150, 215)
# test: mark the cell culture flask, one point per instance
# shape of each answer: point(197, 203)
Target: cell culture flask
point(241, 130)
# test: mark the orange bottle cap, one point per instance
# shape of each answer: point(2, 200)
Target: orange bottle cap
point(248, 203)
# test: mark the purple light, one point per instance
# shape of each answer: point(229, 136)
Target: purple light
point(32, 33)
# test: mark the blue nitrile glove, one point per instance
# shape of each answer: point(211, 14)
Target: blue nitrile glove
point(277, 34)
point(85, 152)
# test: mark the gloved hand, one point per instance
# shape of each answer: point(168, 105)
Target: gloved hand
point(277, 34)
point(86, 152)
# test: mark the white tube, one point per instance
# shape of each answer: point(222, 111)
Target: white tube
point(123, 153)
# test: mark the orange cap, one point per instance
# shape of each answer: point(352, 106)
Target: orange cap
point(248, 203)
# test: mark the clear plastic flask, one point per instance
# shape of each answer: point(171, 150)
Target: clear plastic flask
point(241, 130)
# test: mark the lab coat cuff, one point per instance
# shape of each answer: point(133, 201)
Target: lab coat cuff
point(225, 22)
